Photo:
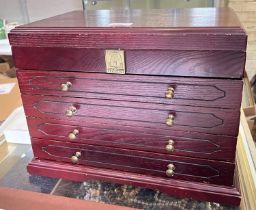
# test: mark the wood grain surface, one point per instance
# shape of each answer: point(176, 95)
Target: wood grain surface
point(185, 143)
point(191, 29)
point(173, 187)
point(153, 18)
point(205, 63)
point(191, 169)
point(217, 93)
point(122, 118)
point(123, 113)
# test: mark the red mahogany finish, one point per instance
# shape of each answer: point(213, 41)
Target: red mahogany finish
point(218, 93)
point(215, 172)
point(196, 119)
point(192, 42)
point(169, 122)
point(185, 143)
point(189, 29)
point(152, 62)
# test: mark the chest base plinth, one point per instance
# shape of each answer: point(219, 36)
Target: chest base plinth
point(177, 188)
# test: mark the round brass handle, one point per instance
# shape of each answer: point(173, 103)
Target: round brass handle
point(169, 93)
point(73, 134)
point(170, 146)
point(170, 120)
point(171, 166)
point(169, 172)
point(66, 86)
point(75, 158)
point(70, 111)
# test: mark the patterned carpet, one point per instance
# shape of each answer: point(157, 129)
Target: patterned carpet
point(130, 196)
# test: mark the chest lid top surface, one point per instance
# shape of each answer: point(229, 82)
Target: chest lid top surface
point(169, 29)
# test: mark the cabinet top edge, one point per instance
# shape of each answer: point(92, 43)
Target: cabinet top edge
point(165, 20)
point(163, 29)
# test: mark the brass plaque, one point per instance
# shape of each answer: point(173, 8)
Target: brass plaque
point(115, 61)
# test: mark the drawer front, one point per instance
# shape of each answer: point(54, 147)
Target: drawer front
point(186, 91)
point(192, 63)
point(176, 143)
point(161, 116)
point(154, 164)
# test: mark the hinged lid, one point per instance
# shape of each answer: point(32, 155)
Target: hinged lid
point(176, 29)
point(205, 42)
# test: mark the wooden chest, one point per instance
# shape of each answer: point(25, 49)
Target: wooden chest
point(142, 97)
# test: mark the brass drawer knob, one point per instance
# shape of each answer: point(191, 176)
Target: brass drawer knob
point(169, 93)
point(170, 170)
point(70, 111)
point(170, 120)
point(73, 134)
point(75, 158)
point(171, 166)
point(66, 86)
point(170, 146)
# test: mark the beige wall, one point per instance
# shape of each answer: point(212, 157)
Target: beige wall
point(246, 11)
point(24, 11)
point(13, 11)
point(40, 9)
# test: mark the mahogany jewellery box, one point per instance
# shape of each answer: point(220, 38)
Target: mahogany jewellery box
point(140, 97)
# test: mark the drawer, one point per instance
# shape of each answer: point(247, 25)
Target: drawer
point(207, 63)
point(171, 167)
point(161, 116)
point(175, 143)
point(147, 89)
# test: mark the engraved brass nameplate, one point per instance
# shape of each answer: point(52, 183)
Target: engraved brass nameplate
point(115, 61)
